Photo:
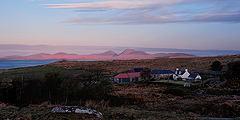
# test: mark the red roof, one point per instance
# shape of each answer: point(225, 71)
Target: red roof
point(127, 75)
point(122, 76)
point(134, 74)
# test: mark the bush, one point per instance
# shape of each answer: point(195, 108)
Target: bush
point(236, 92)
point(218, 92)
point(233, 71)
point(177, 91)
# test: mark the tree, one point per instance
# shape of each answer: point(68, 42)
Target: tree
point(233, 71)
point(7, 91)
point(97, 71)
point(103, 88)
point(216, 66)
point(31, 92)
point(146, 73)
point(52, 81)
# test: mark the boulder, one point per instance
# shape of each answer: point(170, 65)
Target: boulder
point(75, 109)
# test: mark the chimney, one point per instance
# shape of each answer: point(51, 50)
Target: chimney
point(176, 70)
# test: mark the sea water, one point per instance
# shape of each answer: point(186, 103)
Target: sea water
point(7, 64)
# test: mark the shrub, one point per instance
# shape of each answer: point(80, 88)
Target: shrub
point(218, 92)
point(28, 117)
point(177, 91)
point(233, 71)
point(97, 105)
point(236, 92)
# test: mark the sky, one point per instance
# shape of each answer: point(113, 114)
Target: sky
point(178, 24)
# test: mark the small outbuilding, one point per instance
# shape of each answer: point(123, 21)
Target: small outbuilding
point(194, 77)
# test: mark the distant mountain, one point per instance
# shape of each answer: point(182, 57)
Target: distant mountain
point(14, 57)
point(108, 55)
point(172, 55)
point(133, 52)
point(24, 50)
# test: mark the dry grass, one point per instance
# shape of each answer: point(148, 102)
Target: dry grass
point(161, 107)
point(28, 117)
point(200, 64)
point(148, 98)
point(100, 106)
point(138, 93)
point(46, 104)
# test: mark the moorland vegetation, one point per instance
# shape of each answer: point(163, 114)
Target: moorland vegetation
point(31, 92)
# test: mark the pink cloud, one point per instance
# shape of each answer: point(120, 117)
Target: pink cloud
point(114, 4)
point(154, 11)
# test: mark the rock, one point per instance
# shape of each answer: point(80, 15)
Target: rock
point(75, 109)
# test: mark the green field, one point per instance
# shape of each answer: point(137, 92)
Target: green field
point(37, 72)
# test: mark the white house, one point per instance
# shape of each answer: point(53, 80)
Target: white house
point(185, 75)
point(194, 77)
point(181, 74)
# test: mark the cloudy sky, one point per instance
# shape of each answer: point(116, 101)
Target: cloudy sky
point(180, 24)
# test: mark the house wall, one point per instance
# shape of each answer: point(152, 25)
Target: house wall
point(116, 80)
point(161, 76)
point(121, 80)
point(175, 77)
point(133, 79)
point(167, 75)
point(185, 75)
point(124, 80)
point(156, 76)
point(198, 77)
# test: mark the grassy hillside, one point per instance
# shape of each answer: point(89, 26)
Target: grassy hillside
point(199, 64)
point(37, 72)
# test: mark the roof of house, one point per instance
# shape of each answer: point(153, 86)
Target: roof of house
point(161, 71)
point(127, 75)
point(134, 74)
point(122, 76)
point(180, 72)
point(138, 69)
point(215, 72)
point(193, 75)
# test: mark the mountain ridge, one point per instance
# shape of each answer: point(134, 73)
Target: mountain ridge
point(108, 55)
point(133, 52)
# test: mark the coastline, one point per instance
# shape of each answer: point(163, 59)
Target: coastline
point(13, 64)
